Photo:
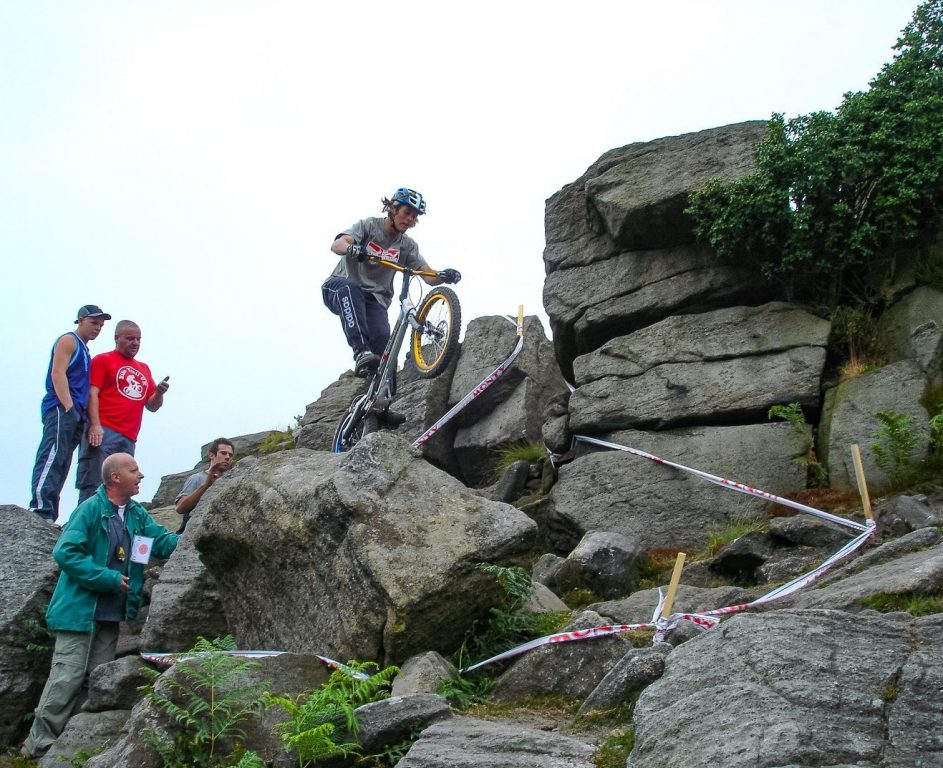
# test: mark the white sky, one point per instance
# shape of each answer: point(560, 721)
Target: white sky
point(186, 165)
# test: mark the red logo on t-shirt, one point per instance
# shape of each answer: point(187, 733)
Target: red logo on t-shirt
point(131, 382)
point(390, 254)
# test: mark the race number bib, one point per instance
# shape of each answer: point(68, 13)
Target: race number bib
point(141, 549)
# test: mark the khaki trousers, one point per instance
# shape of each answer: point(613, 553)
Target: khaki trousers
point(75, 656)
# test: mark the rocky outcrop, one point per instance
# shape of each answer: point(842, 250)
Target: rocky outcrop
point(808, 687)
point(370, 554)
point(27, 577)
point(244, 445)
point(185, 602)
point(88, 733)
point(571, 670)
point(914, 574)
point(512, 408)
point(613, 234)
point(913, 330)
point(319, 423)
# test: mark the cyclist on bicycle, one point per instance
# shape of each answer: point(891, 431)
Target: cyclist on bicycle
point(359, 292)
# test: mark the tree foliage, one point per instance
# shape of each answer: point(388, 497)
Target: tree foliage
point(834, 193)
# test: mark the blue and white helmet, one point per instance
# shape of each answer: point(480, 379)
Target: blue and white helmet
point(410, 197)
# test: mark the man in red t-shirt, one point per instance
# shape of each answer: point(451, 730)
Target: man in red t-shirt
point(121, 388)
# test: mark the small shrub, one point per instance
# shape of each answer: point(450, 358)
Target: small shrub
point(936, 432)
point(816, 474)
point(579, 598)
point(41, 639)
point(279, 440)
point(465, 690)
point(508, 626)
point(791, 413)
point(856, 339)
point(655, 568)
point(616, 750)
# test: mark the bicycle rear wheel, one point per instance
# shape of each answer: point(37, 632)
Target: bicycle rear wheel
point(434, 346)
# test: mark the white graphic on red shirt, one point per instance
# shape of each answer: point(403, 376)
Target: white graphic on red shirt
point(390, 254)
point(131, 382)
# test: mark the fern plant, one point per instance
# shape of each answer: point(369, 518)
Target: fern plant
point(897, 441)
point(320, 716)
point(208, 700)
point(508, 626)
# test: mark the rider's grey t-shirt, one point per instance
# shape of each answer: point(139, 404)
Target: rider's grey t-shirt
point(392, 246)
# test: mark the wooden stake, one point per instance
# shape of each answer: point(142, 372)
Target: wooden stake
point(862, 483)
point(520, 319)
point(673, 586)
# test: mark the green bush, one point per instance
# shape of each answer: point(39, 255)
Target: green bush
point(834, 193)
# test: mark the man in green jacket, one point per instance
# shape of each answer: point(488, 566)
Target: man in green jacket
point(101, 553)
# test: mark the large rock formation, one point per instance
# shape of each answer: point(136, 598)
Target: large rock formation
point(371, 554)
point(798, 688)
point(849, 417)
point(619, 253)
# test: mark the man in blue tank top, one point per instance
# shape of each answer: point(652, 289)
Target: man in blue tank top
point(63, 410)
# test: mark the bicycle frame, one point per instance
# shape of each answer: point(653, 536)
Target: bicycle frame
point(379, 394)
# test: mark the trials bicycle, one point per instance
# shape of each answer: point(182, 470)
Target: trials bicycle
point(433, 329)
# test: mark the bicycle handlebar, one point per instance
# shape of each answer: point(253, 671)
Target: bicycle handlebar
point(393, 265)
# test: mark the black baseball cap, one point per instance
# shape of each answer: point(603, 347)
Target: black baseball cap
point(90, 310)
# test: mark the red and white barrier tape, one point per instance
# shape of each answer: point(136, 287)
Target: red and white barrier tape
point(486, 382)
point(707, 619)
point(167, 659)
point(724, 482)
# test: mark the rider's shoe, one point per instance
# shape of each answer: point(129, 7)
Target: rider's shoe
point(390, 418)
point(365, 363)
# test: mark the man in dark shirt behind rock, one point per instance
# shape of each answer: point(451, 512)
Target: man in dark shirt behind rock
point(220, 456)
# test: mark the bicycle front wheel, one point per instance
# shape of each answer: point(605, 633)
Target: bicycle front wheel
point(435, 344)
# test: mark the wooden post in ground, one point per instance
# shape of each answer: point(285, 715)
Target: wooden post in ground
point(862, 483)
point(673, 586)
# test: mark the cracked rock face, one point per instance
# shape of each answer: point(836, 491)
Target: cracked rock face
point(730, 364)
point(798, 688)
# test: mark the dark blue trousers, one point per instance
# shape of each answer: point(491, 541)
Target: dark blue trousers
point(62, 432)
point(365, 321)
